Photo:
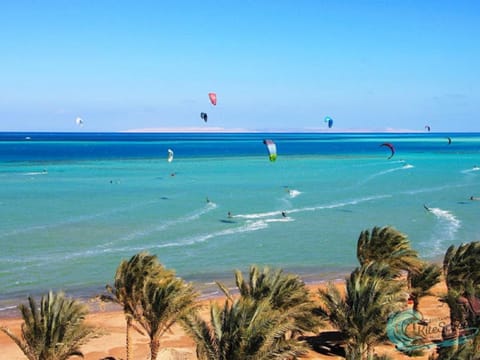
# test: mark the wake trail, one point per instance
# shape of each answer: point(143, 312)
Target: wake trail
point(259, 221)
point(75, 220)
point(107, 247)
point(293, 193)
point(165, 225)
point(385, 172)
point(312, 208)
point(470, 171)
point(433, 189)
point(200, 238)
point(445, 230)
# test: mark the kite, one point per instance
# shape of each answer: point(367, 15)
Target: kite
point(213, 98)
point(390, 146)
point(204, 116)
point(79, 121)
point(272, 149)
point(329, 121)
point(170, 155)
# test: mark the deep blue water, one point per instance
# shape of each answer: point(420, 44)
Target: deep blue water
point(91, 146)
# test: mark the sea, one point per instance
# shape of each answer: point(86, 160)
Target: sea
point(74, 205)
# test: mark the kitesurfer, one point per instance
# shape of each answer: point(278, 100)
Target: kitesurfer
point(426, 207)
point(474, 198)
point(284, 214)
point(229, 214)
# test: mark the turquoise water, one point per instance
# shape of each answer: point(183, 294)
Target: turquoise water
point(73, 206)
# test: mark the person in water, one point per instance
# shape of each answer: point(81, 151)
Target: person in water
point(229, 214)
point(284, 214)
point(426, 207)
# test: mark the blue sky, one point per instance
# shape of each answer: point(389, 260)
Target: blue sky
point(275, 65)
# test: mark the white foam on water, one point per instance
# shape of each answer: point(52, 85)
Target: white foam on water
point(33, 173)
point(333, 205)
point(340, 204)
point(472, 170)
point(7, 308)
point(294, 193)
point(445, 230)
point(385, 172)
point(247, 227)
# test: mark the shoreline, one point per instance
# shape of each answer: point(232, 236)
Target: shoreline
point(177, 344)
point(208, 290)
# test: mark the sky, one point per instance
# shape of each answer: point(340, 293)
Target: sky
point(275, 65)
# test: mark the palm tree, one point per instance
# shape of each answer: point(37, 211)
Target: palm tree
point(283, 291)
point(166, 300)
point(128, 290)
point(389, 246)
point(422, 282)
point(245, 330)
point(469, 350)
point(462, 267)
point(362, 313)
point(55, 331)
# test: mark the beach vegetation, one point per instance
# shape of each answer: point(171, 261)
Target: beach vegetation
point(166, 300)
point(55, 330)
point(461, 267)
point(361, 311)
point(284, 292)
point(245, 329)
point(390, 246)
point(128, 290)
point(423, 281)
point(153, 298)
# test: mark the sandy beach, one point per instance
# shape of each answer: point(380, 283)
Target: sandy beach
point(176, 345)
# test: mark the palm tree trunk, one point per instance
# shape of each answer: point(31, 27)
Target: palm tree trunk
point(416, 303)
point(356, 352)
point(128, 339)
point(154, 348)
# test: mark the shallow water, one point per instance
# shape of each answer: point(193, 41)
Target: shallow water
point(72, 206)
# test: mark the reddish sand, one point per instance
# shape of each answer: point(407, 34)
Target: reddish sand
point(177, 345)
